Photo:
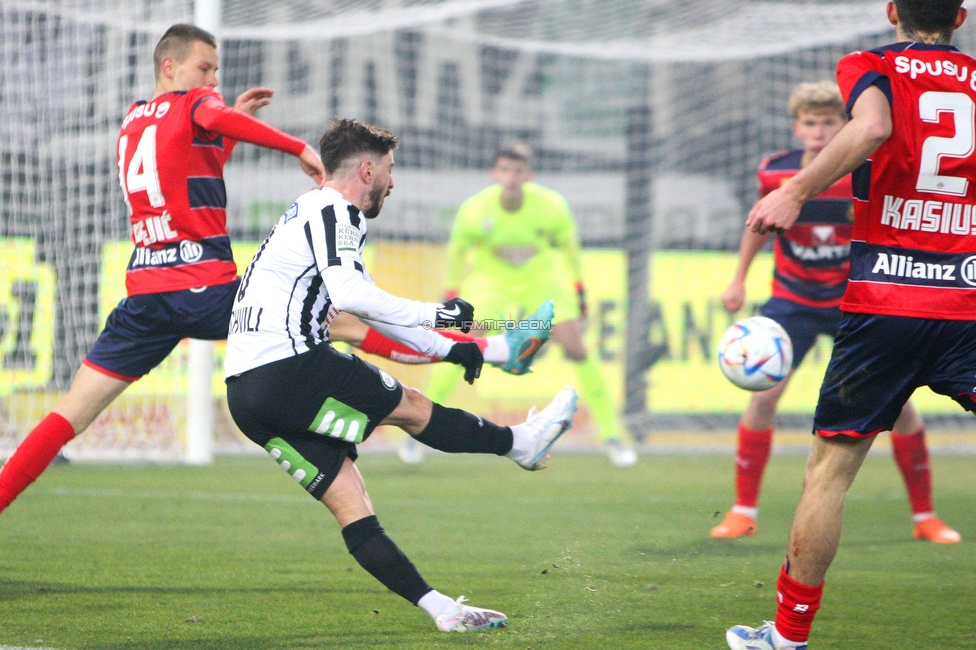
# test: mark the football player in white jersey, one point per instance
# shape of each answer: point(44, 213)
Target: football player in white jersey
point(309, 405)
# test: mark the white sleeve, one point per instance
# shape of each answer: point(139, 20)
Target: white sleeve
point(334, 235)
point(349, 291)
point(420, 339)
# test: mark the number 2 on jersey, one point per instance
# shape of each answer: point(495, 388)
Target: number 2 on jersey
point(141, 176)
point(930, 107)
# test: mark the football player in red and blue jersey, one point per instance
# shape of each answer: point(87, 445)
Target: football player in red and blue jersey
point(181, 278)
point(812, 263)
point(910, 303)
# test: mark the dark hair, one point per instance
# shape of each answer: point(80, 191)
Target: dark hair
point(513, 151)
point(928, 15)
point(348, 138)
point(177, 41)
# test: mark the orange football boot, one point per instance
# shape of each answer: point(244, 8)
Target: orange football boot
point(933, 530)
point(735, 525)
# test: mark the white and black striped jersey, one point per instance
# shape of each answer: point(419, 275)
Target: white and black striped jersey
point(307, 270)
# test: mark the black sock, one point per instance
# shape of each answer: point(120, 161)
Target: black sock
point(456, 431)
point(378, 554)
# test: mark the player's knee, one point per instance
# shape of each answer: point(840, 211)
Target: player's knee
point(415, 399)
point(413, 412)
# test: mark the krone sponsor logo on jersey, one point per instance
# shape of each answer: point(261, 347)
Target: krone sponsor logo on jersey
point(347, 237)
point(916, 67)
point(190, 251)
point(928, 216)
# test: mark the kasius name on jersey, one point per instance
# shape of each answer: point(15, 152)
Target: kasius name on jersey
point(928, 216)
point(146, 110)
point(245, 319)
point(916, 67)
point(905, 266)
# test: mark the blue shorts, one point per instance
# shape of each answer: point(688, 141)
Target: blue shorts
point(142, 330)
point(802, 323)
point(879, 361)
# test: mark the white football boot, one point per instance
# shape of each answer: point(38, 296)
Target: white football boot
point(465, 618)
point(542, 429)
point(742, 637)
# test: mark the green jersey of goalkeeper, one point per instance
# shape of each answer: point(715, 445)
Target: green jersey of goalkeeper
point(513, 246)
point(519, 257)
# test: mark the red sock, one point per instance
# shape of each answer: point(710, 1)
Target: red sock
point(32, 456)
point(912, 458)
point(798, 605)
point(750, 462)
point(376, 343)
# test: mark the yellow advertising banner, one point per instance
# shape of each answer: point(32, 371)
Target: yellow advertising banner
point(27, 317)
point(684, 285)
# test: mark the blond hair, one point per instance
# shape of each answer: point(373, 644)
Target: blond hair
point(816, 96)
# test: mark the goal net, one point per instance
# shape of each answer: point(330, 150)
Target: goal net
point(649, 116)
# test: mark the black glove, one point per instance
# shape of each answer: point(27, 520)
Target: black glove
point(467, 354)
point(455, 314)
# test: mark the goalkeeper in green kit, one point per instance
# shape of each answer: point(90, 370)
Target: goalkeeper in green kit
point(504, 257)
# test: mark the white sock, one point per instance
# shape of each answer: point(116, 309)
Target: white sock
point(922, 516)
point(435, 603)
point(522, 443)
point(497, 350)
point(752, 513)
point(782, 643)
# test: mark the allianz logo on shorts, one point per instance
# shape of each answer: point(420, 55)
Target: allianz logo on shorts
point(338, 420)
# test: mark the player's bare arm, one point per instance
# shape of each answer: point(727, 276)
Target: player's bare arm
point(869, 127)
point(734, 295)
point(311, 164)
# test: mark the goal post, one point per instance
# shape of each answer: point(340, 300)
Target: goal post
point(200, 361)
point(650, 117)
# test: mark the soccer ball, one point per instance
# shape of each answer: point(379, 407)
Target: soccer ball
point(755, 353)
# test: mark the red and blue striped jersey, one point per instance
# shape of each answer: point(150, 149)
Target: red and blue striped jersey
point(171, 154)
point(812, 259)
point(913, 251)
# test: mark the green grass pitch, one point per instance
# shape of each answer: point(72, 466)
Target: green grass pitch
point(236, 557)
